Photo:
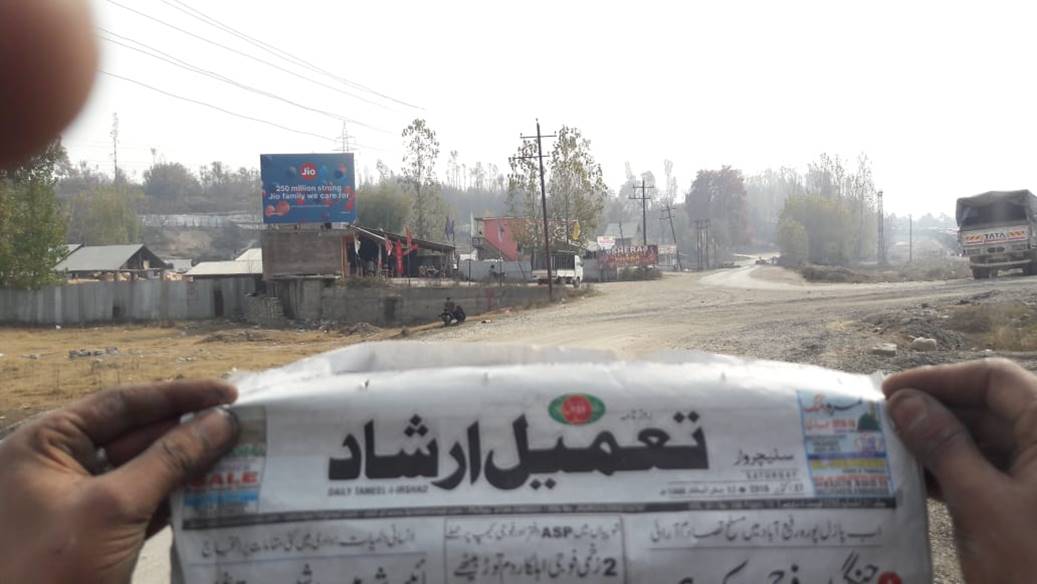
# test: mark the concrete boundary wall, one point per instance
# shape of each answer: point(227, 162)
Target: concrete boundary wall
point(314, 300)
point(141, 300)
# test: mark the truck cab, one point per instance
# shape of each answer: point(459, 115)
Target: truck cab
point(997, 232)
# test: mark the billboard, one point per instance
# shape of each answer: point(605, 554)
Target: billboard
point(630, 257)
point(308, 188)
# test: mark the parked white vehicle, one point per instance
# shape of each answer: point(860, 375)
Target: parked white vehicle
point(566, 268)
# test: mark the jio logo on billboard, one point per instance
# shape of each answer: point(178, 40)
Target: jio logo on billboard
point(308, 171)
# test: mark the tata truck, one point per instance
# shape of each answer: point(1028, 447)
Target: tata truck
point(997, 232)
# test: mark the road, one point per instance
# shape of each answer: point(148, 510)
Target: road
point(762, 312)
point(755, 311)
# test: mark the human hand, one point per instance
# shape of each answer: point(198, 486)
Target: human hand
point(974, 428)
point(60, 522)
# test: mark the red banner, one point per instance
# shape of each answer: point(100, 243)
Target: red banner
point(399, 259)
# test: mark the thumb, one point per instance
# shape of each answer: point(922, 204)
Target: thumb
point(185, 451)
point(939, 440)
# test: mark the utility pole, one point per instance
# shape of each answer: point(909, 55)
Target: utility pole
point(702, 243)
point(115, 146)
point(644, 209)
point(882, 233)
point(673, 232)
point(543, 204)
point(345, 138)
point(910, 239)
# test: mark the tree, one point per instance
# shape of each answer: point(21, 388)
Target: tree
point(383, 205)
point(828, 223)
point(170, 182)
point(74, 179)
point(105, 216)
point(720, 196)
point(793, 241)
point(419, 171)
point(577, 187)
point(766, 194)
point(32, 228)
point(670, 192)
point(523, 196)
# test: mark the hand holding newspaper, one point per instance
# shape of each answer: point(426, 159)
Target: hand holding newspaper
point(408, 463)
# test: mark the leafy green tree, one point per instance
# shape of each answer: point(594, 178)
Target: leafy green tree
point(32, 228)
point(793, 241)
point(829, 225)
point(419, 171)
point(383, 205)
point(170, 181)
point(720, 196)
point(106, 216)
point(577, 191)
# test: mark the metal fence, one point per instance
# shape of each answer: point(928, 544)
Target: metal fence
point(141, 300)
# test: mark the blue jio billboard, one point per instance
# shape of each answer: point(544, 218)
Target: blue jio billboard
point(308, 188)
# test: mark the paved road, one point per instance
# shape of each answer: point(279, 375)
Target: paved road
point(762, 312)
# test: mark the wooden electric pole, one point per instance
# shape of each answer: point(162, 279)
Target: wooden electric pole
point(673, 232)
point(543, 203)
point(882, 233)
point(644, 209)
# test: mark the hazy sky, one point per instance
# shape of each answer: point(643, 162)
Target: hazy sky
point(940, 95)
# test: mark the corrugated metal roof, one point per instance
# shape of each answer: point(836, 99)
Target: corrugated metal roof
point(227, 268)
point(252, 254)
point(105, 258)
point(71, 247)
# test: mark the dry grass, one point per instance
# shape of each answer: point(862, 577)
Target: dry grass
point(1001, 326)
point(923, 270)
point(37, 373)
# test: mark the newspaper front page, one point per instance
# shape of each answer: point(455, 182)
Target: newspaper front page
point(419, 464)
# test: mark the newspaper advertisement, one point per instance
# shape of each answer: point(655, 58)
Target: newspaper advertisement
point(408, 463)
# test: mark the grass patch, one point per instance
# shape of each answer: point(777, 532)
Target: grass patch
point(925, 270)
point(639, 273)
point(999, 326)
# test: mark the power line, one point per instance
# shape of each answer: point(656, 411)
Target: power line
point(215, 107)
point(275, 51)
point(244, 54)
point(177, 62)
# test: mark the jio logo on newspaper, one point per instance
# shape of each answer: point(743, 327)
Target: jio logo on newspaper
point(576, 409)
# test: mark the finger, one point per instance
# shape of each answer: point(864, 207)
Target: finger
point(184, 452)
point(107, 415)
point(990, 432)
point(1000, 385)
point(943, 445)
point(159, 520)
point(48, 55)
point(129, 445)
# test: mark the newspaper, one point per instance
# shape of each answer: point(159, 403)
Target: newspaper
point(409, 463)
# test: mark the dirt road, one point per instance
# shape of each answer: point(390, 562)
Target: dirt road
point(762, 312)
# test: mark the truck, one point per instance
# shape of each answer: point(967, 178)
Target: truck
point(566, 267)
point(997, 232)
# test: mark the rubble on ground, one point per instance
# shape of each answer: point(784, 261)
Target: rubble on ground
point(923, 344)
point(885, 350)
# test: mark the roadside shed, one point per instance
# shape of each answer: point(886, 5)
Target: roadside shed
point(112, 261)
